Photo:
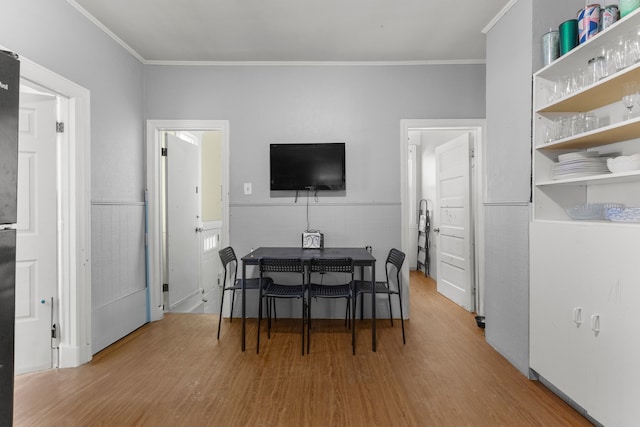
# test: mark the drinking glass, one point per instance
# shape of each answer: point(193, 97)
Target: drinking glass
point(630, 96)
point(614, 60)
point(631, 51)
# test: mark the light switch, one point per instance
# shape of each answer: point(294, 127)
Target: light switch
point(247, 188)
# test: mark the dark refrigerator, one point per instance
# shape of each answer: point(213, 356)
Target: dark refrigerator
point(9, 100)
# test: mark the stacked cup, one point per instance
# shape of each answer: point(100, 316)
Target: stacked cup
point(628, 6)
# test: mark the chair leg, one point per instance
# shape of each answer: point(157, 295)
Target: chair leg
point(347, 315)
point(401, 319)
point(268, 309)
point(268, 318)
point(304, 308)
point(390, 310)
point(308, 325)
point(353, 327)
point(220, 317)
point(259, 318)
point(233, 299)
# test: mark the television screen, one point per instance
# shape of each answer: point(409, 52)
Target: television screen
point(308, 166)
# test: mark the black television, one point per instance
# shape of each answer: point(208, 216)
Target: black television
point(319, 166)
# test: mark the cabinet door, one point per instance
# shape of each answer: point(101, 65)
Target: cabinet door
point(613, 278)
point(558, 350)
point(593, 267)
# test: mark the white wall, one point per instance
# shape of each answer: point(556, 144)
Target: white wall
point(360, 105)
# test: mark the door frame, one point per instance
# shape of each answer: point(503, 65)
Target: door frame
point(74, 231)
point(478, 128)
point(155, 310)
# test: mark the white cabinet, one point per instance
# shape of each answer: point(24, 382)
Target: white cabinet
point(585, 289)
point(585, 275)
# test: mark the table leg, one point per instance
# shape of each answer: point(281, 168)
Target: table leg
point(244, 305)
point(373, 306)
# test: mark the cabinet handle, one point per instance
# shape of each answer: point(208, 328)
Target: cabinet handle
point(595, 323)
point(577, 315)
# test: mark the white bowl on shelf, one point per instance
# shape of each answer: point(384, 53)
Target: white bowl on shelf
point(624, 163)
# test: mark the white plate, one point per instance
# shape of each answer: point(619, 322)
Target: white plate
point(577, 155)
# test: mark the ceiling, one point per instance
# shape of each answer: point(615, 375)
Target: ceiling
point(297, 30)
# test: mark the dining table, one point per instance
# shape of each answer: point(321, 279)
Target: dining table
point(361, 256)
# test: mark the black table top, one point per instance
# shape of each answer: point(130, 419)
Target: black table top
point(359, 255)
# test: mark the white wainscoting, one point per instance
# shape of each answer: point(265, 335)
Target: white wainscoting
point(117, 271)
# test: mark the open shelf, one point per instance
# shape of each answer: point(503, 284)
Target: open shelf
point(599, 94)
point(609, 178)
point(622, 131)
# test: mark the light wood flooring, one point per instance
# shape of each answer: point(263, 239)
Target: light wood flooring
point(175, 373)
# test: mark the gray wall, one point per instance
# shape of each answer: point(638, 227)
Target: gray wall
point(514, 52)
point(360, 105)
point(54, 35)
point(508, 162)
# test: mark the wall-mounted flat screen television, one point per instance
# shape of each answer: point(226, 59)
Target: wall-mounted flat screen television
point(308, 166)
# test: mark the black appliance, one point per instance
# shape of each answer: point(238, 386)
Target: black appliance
point(9, 100)
point(313, 167)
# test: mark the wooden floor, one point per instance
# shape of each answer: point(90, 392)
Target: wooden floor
point(175, 373)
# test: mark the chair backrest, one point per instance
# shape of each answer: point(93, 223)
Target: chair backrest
point(331, 265)
point(281, 265)
point(395, 259)
point(228, 257)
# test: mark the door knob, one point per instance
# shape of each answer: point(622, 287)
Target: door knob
point(198, 229)
point(436, 230)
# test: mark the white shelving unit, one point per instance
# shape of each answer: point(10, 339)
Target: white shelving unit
point(585, 275)
point(616, 133)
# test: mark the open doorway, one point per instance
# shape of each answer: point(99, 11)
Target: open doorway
point(423, 152)
point(187, 217)
point(191, 220)
point(67, 303)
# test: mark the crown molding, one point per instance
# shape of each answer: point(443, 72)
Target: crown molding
point(499, 16)
point(100, 25)
point(315, 63)
point(139, 57)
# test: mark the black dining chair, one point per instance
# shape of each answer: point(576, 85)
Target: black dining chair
point(321, 267)
point(273, 290)
point(392, 285)
point(231, 282)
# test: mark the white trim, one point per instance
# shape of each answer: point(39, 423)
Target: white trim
point(100, 25)
point(478, 128)
point(154, 188)
point(317, 63)
point(499, 16)
point(75, 256)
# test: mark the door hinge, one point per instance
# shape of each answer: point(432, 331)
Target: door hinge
point(165, 287)
point(164, 152)
point(59, 127)
point(54, 331)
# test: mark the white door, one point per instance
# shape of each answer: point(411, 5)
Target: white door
point(453, 207)
point(36, 246)
point(183, 224)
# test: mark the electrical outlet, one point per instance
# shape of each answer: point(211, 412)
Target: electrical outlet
point(247, 188)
